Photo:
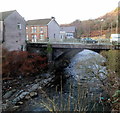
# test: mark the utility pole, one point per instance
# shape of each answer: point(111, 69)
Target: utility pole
point(102, 20)
point(116, 26)
point(111, 27)
point(101, 30)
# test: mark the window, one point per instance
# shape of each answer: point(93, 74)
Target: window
point(34, 38)
point(22, 47)
point(34, 29)
point(19, 26)
point(41, 29)
point(27, 29)
point(41, 36)
point(54, 35)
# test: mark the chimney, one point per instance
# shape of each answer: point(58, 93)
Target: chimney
point(53, 18)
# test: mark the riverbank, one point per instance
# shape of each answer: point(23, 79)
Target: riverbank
point(81, 89)
point(112, 85)
point(17, 91)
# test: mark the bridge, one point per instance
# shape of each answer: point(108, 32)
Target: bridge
point(60, 48)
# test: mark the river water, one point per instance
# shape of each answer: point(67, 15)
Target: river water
point(83, 91)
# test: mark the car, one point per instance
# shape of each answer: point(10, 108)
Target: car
point(88, 40)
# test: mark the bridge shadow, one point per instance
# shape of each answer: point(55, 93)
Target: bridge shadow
point(69, 53)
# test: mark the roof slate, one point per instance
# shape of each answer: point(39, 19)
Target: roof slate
point(38, 22)
point(68, 29)
point(5, 14)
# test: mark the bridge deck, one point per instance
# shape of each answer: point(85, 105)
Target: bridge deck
point(75, 45)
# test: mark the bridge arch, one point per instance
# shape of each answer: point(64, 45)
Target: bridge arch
point(69, 53)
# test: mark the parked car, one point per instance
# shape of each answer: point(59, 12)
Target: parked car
point(88, 40)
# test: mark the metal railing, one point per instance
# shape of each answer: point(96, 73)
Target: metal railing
point(72, 41)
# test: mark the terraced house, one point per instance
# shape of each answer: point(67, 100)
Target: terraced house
point(42, 30)
point(12, 30)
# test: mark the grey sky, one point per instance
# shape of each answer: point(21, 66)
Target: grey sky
point(65, 11)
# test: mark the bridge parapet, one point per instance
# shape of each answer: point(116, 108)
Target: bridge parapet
point(59, 49)
point(83, 46)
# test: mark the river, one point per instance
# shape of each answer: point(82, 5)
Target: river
point(83, 90)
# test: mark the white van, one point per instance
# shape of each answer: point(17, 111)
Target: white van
point(115, 39)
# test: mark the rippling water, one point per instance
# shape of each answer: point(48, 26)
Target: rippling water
point(87, 64)
point(86, 73)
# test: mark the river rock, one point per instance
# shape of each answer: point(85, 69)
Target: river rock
point(67, 75)
point(33, 94)
point(45, 75)
point(34, 87)
point(39, 88)
point(9, 93)
point(18, 93)
point(27, 97)
point(47, 80)
point(37, 80)
point(20, 103)
point(4, 106)
point(21, 96)
point(15, 107)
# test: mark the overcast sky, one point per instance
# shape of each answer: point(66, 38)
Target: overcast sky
point(65, 11)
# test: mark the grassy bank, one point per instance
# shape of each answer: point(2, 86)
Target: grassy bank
point(113, 60)
point(113, 79)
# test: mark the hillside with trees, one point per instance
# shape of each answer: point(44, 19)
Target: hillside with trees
point(104, 25)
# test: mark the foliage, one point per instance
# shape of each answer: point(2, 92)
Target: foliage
point(117, 94)
point(71, 102)
point(113, 58)
point(93, 27)
point(16, 63)
point(113, 80)
point(49, 48)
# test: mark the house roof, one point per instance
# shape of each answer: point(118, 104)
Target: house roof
point(5, 14)
point(38, 22)
point(68, 29)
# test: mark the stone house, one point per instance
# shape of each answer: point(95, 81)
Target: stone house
point(12, 30)
point(42, 30)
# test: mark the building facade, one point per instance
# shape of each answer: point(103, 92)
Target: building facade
point(42, 30)
point(68, 32)
point(12, 30)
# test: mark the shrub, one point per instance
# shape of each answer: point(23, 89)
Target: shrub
point(113, 58)
point(22, 63)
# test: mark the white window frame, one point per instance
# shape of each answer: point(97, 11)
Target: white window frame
point(27, 38)
point(19, 26)
point(34, 29)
